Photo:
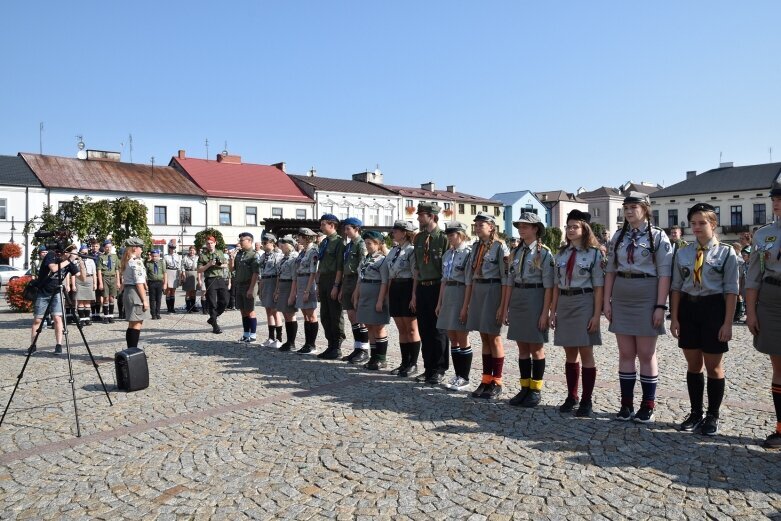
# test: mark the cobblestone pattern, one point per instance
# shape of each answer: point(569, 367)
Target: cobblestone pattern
point(228, 431)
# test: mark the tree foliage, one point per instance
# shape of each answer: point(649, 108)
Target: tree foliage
point(552, 238)
point(201, 236)
point(130, 221)
point(597, 229)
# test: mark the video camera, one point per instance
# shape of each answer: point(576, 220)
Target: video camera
point(57, 240)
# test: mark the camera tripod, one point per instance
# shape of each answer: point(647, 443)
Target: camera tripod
point(60, 294)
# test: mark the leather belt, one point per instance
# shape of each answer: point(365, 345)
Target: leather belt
point(486, 281)
point(268, 277)
point(626, 275)
point(371, 281)
point(429, 282)
point(454, 283)
point(575, 291)
point(285, 280)
point(529, 286)
point(772, 281)
point(703, 298)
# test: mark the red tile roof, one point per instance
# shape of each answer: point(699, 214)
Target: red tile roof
point(440, 195)
point(241, 180)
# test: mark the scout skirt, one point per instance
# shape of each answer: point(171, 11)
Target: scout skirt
point(133, 305)
point(367, 302)
point(281, 304)
point(84, 289)
point(349, 283)
point(309, 303)
point(572, 316)
point(190, 280)
point(769, 317)
point(524, 314)
point(399, 296)
point(452, 300)
point(485, 302)
point(269, 286)
point(633, 307)
point(172, 278)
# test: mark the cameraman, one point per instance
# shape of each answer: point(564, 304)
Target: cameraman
point(48, 285)
point(211, 264)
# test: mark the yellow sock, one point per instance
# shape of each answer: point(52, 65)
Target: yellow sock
point(525, 382)
point(536, 385)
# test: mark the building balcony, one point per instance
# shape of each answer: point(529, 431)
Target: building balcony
point(735, 229)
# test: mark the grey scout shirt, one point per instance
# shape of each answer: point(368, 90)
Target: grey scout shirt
point(524, 270)
point(399, 261)
point(494, 262)
point(286, 268)
point(354, 253)
point(660, 265)
point(374, 267)
point(190, 263)
point(720, 273)
point(587, 272)
point(765, 259)
point(268, 263)
point(454, 263)
point(307, 261)
point(135, 272)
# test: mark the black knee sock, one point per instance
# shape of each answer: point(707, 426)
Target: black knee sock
point(381, 349)
point(414, 351)
point(105, 310)
point(715, 395)
point(356, 328)
point(525, 365)
point(279, 332)
point(462, 361)
point(111, 309)
point(291, 329)
point(695, 382)
point(364, 334)
point(131, 337)
point(310, 332)
point(245, 325)
point(538, 369)
point(272, 332)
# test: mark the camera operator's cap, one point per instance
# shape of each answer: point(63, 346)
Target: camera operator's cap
point(353, 221)
point(107, 242)
point(288, 239)
point(403, 226)
point(373, 235)
point(330, 217)
point(577, 215)
point(746, 250)
point(306, 232)
point(132, 242)
point(73, 247)
point(270, 237)
point(455, 227)
point(432, 208)
point(636, 198)
point(530, 218)
point(699, 207)
point(485, 217)
point(83, 247)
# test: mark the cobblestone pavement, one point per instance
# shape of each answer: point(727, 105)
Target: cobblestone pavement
point(228, 431)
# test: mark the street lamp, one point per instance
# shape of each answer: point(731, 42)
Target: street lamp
point(13, 229)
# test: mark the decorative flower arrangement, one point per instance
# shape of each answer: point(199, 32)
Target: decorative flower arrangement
point(448, 212)
point(11, 250)
point(14, 294)
point(410, 210)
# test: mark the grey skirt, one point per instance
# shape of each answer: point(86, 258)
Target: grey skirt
point(483, 305)
point(769, 317)
point(269, 286)
point(281, 304)
point(452, 300)
point(133, 305)
point(572, 316)
point(633, 302)
point(173, 278)
point(84, 289)
point(367, 302)
point(301, 302)
point(349, 283)
point(190, 281)
point(524, 314)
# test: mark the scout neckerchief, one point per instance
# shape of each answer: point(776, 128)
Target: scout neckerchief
point(630, 248)
point(109, 262)
point(698, 264)
point(426, 245)
point(347, 250)
point(570, 266)
point(155, 263)
point(526, 251)
point(477, 264)
point(323, 247)
point(449, 265)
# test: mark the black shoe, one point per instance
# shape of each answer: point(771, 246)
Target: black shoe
point(710, 425)
point(376, 365)
point(644, 414)
point(773, 441)
point(478, 393)
point(533, 399)
point(110, 320)
point(306, 350)
point(334, 354)
point(492, 392)
point(692, 422)
point(395, 372)
point(285, 347)
point(585, 409)
point(626, 413)
point(409, 370)
point(210, 321)
point(58, 349)
point(518, 399)
point(360, 357)
point(568, 405)
point(435, 379)
point(216, 330)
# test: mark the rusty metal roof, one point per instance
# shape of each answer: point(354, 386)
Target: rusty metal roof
point(109, 176)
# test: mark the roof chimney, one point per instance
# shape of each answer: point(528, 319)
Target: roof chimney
point(227, 158)
point(428, 186)
point(181, 154)
point(690, 174)
point(280, 166)
point(729, 164)
point(451, 189)
point(369, 177)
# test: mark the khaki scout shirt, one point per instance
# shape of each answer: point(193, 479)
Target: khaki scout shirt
point(103, 264)
point(245, 266)
point(150, 270)
point(214, 271)
point(331, 255)
point(354, 252)
point(431, 270)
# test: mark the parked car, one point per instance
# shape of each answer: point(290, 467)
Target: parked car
point(9, 273)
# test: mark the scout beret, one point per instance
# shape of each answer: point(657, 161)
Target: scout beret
point(577, 215)
point(636, 197)
point(530, 218)
point(403, 226)
point(241, 235)
point(485, 217)
point(373, 235)
point(270, 237)
point(432, 208)
point(699, 207)
point(329, 217)
point(155, 251)
point(306, 232)
point(133, 242)
point(83, 247)
point(42, 247)
point(287, 239)
point(107, 242)
point(353, 221)
point(454, 227)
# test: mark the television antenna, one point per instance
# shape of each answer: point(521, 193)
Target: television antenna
point(81, 154)
point(130, 145)
point(207, 148)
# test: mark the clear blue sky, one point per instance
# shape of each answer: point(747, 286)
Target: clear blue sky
point(489, 96)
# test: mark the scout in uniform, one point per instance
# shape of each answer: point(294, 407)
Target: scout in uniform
point(86, 286)
point(156, 279)
point(704, 292)
point(305, 288)
point(400, 296)
point(485, 295)
point(268, 270)
point(527, 307)
point(284, 299)
point(370, 298)
point(329, 280)
point(245, 266)
point(451, 307)
point(576, 308)
point(676, 242)
point(430, 245)
point(763, 301)
point(211, 264)
point(97, 298)
point(354, 253)
point(108, 280)
point(190, 278)
point(637, 284)
point(134, 290)
point(229, 274)
point(173, 269)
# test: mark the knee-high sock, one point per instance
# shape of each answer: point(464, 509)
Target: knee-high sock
point(131, 337)
point(381, 349)
point(715, 395)
point(572, 372)
point(777, 403)
point(414, 351)
point(498, 364)
point(538, 369)
point(525, 366)
point(648, 384)
point(488, 368)
point(291, 329)
point(589, 375)
point(253, 326)
point(627, 382)
point(462, 361)
point(695, 384)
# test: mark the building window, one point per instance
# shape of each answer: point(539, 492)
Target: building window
point(718, 215)
point(160, 215)
point(620, 215)
point(485, 208)
point(760, 217)
point(409, 203)
point(447, 206)
point(300, 214)
point(3, 209)
point(473, 208)
point(185, 215)
point(251, 218)
point(225, 215)
point(496, 211)
point(460, 207)
point(672, 218)
point(736, 215)
point(596, 212)
point(388, 220)
point(276, 213)
point(655, 215)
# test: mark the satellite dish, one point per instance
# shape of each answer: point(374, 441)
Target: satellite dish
point(81, 154)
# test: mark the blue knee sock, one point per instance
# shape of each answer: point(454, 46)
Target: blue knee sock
point(253, 326)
